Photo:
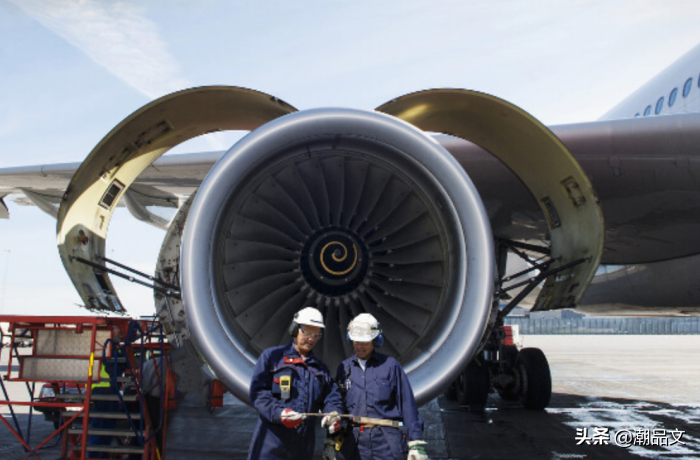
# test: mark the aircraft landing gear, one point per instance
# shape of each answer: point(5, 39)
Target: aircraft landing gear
point(514, 374)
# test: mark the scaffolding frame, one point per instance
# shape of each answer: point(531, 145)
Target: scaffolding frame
point(151, 337)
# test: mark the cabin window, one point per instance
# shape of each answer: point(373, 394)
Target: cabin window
point(659, 105)
point(672, 97)
point(687, 86)
point(647, 111)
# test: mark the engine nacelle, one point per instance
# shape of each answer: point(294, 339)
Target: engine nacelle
point(349, 211)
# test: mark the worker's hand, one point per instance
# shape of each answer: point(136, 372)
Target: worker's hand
point(332, 422)
point(416, 450)
point(291, 418)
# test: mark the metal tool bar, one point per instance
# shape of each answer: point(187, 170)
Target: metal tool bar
point(361, 420)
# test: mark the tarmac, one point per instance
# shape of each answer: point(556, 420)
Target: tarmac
point(625, 397)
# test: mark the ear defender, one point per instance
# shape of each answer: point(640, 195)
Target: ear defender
point(294, 327)
point(379, 341)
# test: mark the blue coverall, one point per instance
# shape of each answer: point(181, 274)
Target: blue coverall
point(312, 389)
point(382, 390)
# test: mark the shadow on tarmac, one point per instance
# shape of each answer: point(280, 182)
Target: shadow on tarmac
point(503, 430)
point(11, 448)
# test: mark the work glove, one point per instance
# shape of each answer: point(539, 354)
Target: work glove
point(291, 418)
point(416, 450)
point(332, 422)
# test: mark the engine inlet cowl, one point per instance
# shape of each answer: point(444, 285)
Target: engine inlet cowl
point(349, 211)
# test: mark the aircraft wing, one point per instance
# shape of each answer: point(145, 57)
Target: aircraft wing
point(645, 172)
point(163, 184)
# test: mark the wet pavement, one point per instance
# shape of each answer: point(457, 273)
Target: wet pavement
point(505, 430)
point(614, 397)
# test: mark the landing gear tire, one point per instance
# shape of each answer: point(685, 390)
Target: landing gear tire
point(536, 378)
point(473, 386)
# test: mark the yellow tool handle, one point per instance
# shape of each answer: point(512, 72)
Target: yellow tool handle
point(360, 420)
point(376, 421)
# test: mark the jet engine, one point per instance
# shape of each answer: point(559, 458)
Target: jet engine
point(348, 211)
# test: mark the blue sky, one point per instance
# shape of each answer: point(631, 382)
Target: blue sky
point(70, 70)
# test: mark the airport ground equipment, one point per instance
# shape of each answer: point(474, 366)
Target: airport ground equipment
point(70, 351)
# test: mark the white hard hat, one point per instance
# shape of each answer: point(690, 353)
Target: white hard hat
point(310, 317)
point(364, 328)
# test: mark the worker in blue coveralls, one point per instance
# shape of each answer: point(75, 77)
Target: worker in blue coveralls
point(289, 381)
point(376, 386)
